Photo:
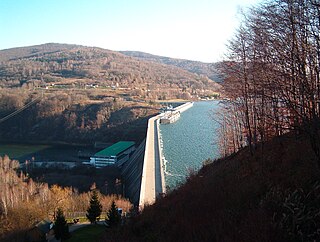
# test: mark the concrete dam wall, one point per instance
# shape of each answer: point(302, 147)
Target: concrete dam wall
point(143, 174)
point(131, 173)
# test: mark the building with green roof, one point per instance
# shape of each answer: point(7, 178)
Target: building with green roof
point(116, 154)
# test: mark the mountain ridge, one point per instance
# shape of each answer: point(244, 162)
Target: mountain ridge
point(87, 92)
point(63, 60)
point(201, 68)
point(26, 51)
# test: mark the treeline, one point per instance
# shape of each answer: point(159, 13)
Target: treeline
point(72, 116)
point(24, 202)
point(272, 75)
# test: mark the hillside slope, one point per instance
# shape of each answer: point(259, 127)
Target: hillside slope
point(207, 69)
point(86, 94)
point(50, 63)
point(31, 51)
point(269, 196)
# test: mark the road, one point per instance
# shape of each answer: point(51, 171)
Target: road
point(152, 183)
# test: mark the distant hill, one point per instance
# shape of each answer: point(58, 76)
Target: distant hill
point(51, 63)
point(207, 69)
point(87, 94)
point(32, 51)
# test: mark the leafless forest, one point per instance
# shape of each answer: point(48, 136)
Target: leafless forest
point(25, 202)
point(87, 94)
point(272, 75)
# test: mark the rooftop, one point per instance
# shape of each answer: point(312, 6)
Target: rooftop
point(115, 149)
point(44, 226)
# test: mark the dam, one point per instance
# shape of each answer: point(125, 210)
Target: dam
point(144, 172)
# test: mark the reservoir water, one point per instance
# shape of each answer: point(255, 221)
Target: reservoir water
point(189, 141)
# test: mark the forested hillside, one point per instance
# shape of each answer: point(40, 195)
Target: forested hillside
point(50, 63)
point(86, 94)
point(272, 76)
point(210, 70)
point(73, 116)
point(272, 195)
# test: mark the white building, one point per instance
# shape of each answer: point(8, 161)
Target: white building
point(116, 154)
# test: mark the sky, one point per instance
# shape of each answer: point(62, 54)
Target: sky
point(187, 29)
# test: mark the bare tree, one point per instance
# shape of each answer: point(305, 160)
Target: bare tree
point(272, 75)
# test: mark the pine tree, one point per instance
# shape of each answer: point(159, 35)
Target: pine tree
point(113, 217)
point(61, 229)
point(95, 208)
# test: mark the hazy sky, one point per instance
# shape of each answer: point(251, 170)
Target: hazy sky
point(189, 29)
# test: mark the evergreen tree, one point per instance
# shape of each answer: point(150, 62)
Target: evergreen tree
point(113, 217)
point(61, 229)
point(95, 208)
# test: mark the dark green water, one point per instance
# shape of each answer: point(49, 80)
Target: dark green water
point(189, 141)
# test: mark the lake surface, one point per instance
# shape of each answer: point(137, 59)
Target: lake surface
point(189, 141)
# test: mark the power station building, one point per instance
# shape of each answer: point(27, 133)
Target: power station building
point(116, 154)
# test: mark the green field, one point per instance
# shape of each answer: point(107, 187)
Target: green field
point(81, 219)
point(89, 233)
point(16, 151)
point(44, 152)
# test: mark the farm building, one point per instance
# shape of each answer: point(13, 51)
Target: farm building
point(116, 154)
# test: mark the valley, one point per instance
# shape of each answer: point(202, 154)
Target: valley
point(86, 94)
point(60, 104)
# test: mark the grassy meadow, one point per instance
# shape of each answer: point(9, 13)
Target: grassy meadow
point(16, 151)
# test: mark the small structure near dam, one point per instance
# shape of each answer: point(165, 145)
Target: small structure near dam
point(170, 117)
point(116, 154)
point(173, 114)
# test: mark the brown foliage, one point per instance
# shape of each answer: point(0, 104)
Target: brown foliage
point(272, 75)
point(36, 66)
point(74, 117)
point(24, 202)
